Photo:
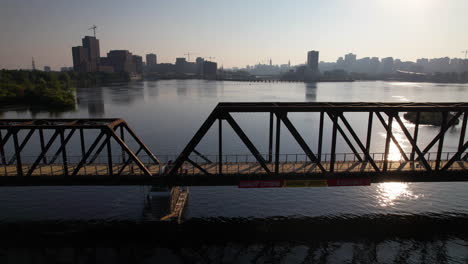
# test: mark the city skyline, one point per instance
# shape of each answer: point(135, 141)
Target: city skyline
point(237, 34)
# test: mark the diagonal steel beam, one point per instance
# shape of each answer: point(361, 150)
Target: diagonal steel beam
point(202, 156)
point(442, 132)
point(2, 150)
point(441, 141)
point(456, 157)
point(413, 143)
point(300, 140)
point(246, 141)
point(387, 142)
point(42, 141)
point(130, 152)
point(98, 151)
point(194, 141)
point(128, 161)
point(62, 146)
point(395, 141)
point(88, 153)
point(19, 166)
point(3, 142)
point(365, 150)
point(140, 142)
point(43, 152)
point(463, 131)
point(345, 137)
point(198, 166)
point(22, 145)
point(415, 134)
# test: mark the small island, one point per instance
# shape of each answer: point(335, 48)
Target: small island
point(36, 88)
point(429, 118)
point(53, 90)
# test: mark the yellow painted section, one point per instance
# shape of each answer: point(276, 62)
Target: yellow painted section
point(305, 183)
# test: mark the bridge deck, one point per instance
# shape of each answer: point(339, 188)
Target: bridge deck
point(239, 168)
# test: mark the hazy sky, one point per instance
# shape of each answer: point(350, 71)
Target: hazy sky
point(236, 32)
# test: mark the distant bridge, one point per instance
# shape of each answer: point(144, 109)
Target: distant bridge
point(136, 164)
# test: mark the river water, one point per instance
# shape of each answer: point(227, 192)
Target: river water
point(166, 114)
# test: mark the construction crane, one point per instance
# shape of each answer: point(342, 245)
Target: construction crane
point(466, 53)
point(211, 58)
point(188, 55)
point(94, 29)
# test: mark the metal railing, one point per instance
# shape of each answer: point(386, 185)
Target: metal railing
point(231, 164)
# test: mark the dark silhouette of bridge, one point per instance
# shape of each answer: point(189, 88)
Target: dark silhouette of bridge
point(136, 164)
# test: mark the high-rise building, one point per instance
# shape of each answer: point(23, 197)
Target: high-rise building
point(350, 58)
point(312, 60)
point(199, 61)
point(180, 65)
point(47, 68)
point(151, 59)
point(387, 65)
point(91, 44)
point(121, 60)
point(209, 70)
point(80, 59)
point(138, 61)
point(86, 58)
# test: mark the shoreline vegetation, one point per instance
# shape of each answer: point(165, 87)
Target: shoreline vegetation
point(54, 90)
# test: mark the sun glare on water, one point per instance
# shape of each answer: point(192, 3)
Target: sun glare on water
point(389, 192)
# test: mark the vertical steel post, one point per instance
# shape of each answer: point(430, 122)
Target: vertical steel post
point(64, 152)
point(19, 166)
point(320, 138)
point(109, 154)
point(82, 143)
point(2, 150)
point(387, 141)
point(441, 140)
point(220, 146)
point(41, 139)
point(270, 140)
point(415, 135)
point(277, 144)
point(369, 135)
point(333, 145)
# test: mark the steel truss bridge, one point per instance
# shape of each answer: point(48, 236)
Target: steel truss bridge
point(97, 163)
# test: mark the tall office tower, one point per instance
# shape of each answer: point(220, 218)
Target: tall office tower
point(151, 59)
point(312, 60)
